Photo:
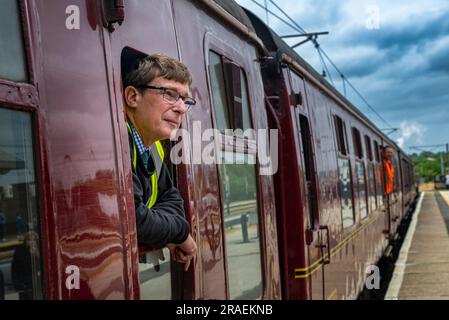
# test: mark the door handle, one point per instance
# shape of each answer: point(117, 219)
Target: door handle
point(328, 259)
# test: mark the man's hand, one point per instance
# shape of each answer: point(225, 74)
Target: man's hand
point(183, 252)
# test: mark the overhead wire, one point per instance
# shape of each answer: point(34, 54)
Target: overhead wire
point(294, 25)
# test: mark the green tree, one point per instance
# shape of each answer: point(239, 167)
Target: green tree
point(427, 165)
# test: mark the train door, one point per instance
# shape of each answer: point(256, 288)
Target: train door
point(317, 236)
point(146, 28)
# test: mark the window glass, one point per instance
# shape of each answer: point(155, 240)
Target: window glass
point(340, 134)
point(376, 151)
point(308, 166)
point(357, 143)
point(345, 186)
point(372, 199)
point(20, 254)
point(218, 91)
point(12, 53)
point(361, 188)
point(397, 177)
point(239, 189)
point(155, 276)
point(245, 102)
point(369, 154)
point(379, 183)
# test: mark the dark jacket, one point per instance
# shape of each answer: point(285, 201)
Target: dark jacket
point(165, 222)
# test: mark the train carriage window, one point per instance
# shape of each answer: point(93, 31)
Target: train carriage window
point(360, 171)
point(340, 130)
point(20, 253)
point(345, 187)
point(308, 168)
point(218, 88)
point(246, 116)
point(369, 153)
point(230, 94)
point(376, 151)
point(397, 177)
point(238, 178)
point(379, 184)
point(357, 143)
point(371, 175)
point(344, 174)
point(241, 221)
point(361, 188)
point(13, 64)
point(378, 174)
point(372, 197)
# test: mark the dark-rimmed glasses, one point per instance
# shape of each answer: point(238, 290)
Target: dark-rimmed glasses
point(172, 96)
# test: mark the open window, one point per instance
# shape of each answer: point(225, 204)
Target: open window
point(158, 281)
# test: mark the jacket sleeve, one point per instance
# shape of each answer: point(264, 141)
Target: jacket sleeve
point(165, 222)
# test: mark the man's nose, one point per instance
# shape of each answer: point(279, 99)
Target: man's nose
point(180, 106)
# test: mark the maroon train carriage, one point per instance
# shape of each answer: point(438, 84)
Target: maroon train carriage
point(330, 180)
point(65, 175)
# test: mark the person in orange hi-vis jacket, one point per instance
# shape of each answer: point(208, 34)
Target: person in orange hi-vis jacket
point(389, 169)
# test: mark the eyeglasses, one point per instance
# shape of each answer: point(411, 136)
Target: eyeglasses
point(172, 96)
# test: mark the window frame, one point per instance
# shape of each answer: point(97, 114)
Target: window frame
point(238, 145)
point(357, 142)
point(368, 148)
point(24, 96)
point(345, 157)
point(341, 136)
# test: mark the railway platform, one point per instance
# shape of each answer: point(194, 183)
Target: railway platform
point(422, 269)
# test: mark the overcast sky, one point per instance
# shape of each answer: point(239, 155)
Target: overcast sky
point(399, 62)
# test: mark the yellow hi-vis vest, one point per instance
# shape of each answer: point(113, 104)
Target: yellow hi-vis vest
point(158, 158)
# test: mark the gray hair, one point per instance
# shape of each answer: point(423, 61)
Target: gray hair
point(157, 65)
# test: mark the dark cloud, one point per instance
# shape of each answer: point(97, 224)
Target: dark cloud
point(439, 61)
point(401, 38)
point(402, 69)
point(363, 67)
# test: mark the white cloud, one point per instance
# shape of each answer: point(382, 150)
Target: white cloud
point(410, 131)
point(401, 68)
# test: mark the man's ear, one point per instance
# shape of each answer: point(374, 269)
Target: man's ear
point(132, 97)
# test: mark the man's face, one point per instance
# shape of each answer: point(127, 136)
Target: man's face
point(155, 116)
point(389, 153)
